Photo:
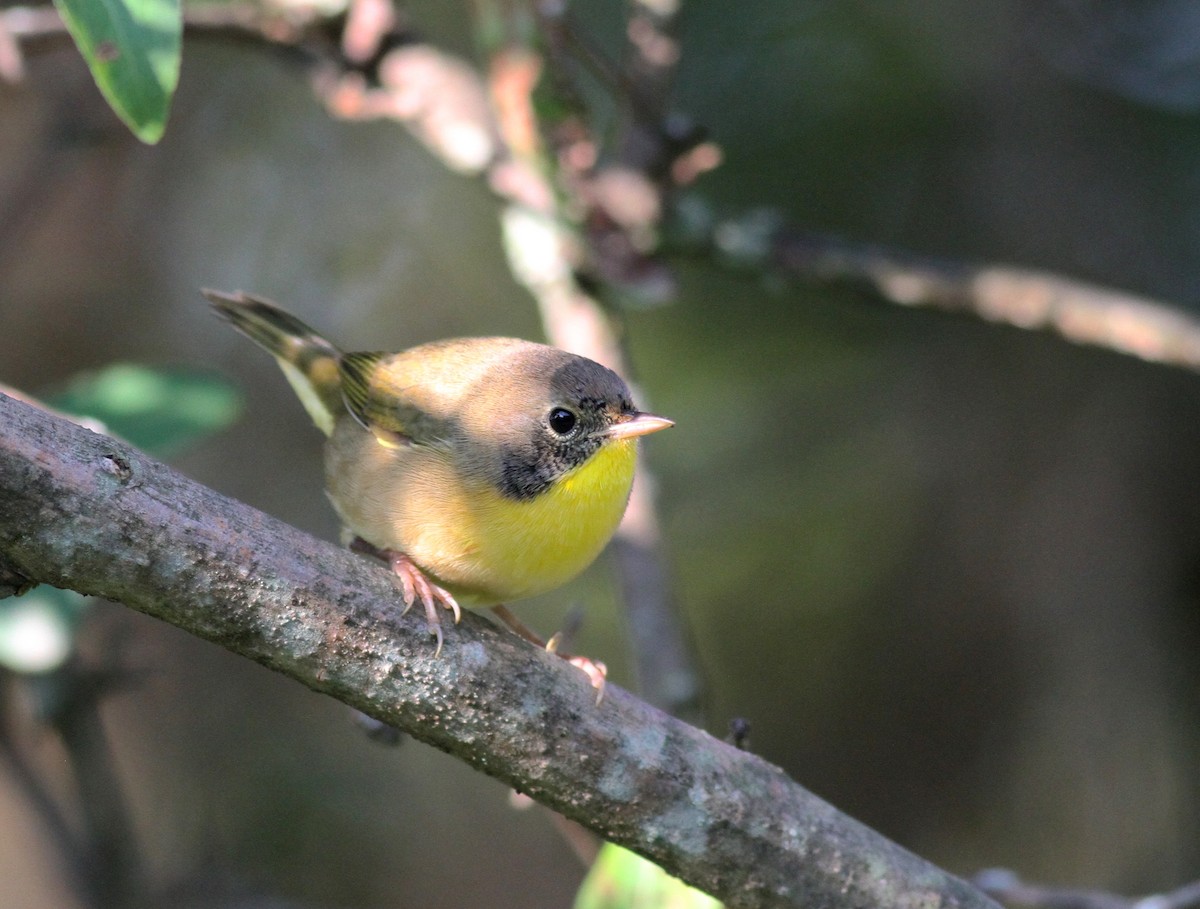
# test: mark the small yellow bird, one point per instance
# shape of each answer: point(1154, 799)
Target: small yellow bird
point(483, 470)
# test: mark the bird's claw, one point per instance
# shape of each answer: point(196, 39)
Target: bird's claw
point(435, 629)
point(596, 672)
point(418, 587)
point(414, 587)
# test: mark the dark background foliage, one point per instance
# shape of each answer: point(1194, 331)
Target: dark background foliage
point(947, 570)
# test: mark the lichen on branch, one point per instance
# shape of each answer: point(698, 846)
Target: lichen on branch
point(84, 511)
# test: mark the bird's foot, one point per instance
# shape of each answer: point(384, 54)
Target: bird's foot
point(414, 586)
point(596, 671)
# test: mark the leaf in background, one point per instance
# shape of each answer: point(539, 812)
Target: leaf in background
point(159, 410)
point(37, 631)
point(620, 879)
point(132, 48)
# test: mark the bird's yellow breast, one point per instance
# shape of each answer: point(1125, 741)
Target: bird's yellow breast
point(484, 547)
point(530, 547)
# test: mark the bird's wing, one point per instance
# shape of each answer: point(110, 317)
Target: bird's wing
point(377, 397)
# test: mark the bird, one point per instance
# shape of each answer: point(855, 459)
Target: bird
point(482, 470)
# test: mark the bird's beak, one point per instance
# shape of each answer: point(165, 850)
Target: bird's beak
point(630, 426)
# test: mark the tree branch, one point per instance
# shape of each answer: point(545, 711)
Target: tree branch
point(1007, 887)
point(84, 511)
point(440, 99)
point(1022, 297)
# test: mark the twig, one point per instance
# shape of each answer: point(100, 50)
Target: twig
point(546, 261)
point(1026, 298)
point(650, 135)
point(26, 22)
point(86, 512)
point(1007, 887)
point(298, 32)
point(69, 848)
point(112, 860)
point(1023, 298)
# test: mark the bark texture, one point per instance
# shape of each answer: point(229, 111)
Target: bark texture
point(86, 512)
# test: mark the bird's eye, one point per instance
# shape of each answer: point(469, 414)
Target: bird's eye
point(562, 421)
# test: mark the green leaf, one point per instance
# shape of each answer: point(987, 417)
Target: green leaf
point(132, 48)
point(159, 410)
point(620, 879)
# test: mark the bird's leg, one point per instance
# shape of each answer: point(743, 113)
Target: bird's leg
point(596, 671)
point(516, 626)
point(414, 586)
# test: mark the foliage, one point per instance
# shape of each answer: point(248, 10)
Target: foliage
point(159, 410)
point(620, 879)
point(133, 49)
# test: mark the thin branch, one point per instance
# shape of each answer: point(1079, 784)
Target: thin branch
point(113, 861)
point(1009, 889)
point(546, 259)
point(30, 27)
point(84, 511)
point(68, 846)
point(652, 58)
point(1025, 298)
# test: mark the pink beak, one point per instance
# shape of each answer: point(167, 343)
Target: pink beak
point(639, 424)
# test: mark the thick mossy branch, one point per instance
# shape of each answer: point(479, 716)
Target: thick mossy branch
point(83, 511)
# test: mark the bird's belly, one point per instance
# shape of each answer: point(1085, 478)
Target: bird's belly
point(483, 547)
point(530, 547)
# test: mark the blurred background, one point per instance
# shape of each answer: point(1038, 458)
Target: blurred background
point(946, 570)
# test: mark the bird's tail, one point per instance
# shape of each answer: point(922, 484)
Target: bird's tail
point(309, 361)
